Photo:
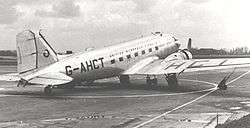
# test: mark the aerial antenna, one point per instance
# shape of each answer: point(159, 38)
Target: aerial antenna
point(46, 41)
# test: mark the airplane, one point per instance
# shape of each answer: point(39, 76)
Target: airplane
point(157, 54)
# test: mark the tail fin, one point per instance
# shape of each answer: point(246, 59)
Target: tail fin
point(189, 46)
point(33, 53)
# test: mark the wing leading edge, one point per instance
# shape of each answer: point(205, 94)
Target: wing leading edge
point(176, 66)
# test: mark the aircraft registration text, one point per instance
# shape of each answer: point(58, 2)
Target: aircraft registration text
point(85, 67)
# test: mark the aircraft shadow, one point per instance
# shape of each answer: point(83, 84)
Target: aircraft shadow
point(113, 88)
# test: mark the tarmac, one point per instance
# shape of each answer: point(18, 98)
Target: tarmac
point(196, 103)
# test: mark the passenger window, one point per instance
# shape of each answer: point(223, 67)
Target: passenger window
point(143, 52)
point(156, 48)
point(112, 61)
point(121, 59)
point(150, 50)
point(128, 56)
point(136, 54)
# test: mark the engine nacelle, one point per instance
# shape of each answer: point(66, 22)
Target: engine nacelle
point(180, 55)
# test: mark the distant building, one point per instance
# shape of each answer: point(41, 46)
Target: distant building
point(208, 51)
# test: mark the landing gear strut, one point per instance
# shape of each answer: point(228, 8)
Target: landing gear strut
point(172, 80)
point(48, 90)
point(22, 82)
point(150, 81)
point(124, 79)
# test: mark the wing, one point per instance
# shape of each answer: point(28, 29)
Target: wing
point(161, 66)
point(51, 79)
point(44, 79)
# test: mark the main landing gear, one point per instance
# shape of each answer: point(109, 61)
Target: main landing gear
point(89, 82)
point(22, 83)
point(124, 79)
point(48, 90)
point(172, 80)
point(150, 81)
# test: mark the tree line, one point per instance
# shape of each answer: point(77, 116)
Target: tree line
point(8, 53)
point(211, 51)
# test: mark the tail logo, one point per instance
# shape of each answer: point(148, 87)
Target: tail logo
point(46, 53)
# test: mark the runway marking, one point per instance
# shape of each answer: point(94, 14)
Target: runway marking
point(150, 95)
point(8, 95)
point(133, 96)
point(238, 77)
point(210, 90)
point(181, 106)
point(2, 89)
point(188, 103)
point(235, 108)
point(245, 102)
point(214, 84)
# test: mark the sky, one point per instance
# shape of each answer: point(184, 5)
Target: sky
point(80, 24)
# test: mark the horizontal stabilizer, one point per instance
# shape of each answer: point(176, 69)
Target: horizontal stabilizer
point(10, 77)
point(51, 79)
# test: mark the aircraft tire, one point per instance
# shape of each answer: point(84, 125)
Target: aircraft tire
point(48, 90)
point(172, 81)
point(124, 79)
point(154, 81)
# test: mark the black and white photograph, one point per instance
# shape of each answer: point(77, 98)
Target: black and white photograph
point(124, 64)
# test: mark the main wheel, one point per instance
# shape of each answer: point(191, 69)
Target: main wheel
point(154, 81)
point(148, 80)
point(172, 80)
point(48, 90)
point(124, 79)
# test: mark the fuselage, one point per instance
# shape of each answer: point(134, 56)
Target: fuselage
point(113, 60)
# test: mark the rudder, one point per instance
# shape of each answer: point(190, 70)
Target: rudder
point(33, 53)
